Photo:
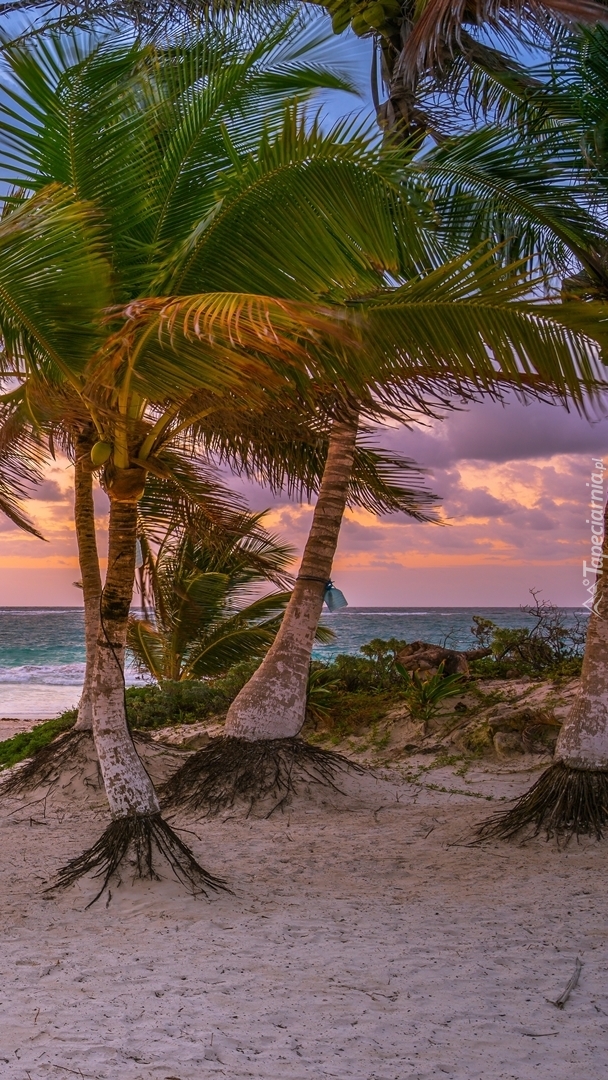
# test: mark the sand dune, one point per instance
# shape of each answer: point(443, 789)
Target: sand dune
point(362, 942)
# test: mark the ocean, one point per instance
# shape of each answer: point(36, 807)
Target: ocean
point(42, 649)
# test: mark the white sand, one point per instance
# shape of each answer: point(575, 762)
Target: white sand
point(362, 943)
point(30, 702)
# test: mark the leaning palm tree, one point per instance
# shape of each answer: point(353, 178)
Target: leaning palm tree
point(220, 425)
point(57, 246)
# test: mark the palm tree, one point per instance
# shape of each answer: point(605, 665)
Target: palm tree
point(273, 703)
point(419, 46)
point(545, 189)
point(203, 585)
point(149, 213)
point(63, 215)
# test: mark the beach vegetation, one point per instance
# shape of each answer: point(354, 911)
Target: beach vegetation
point(212, 298)
point(175, 374)
point(77, 228)
point(426, 694)
point(26, 744)
point(201, 585)
point(551, 647)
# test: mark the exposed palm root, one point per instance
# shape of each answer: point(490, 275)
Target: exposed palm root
point(47, 764)
point(149, 840)
point(69, 767)
point(228, 770)
point(564, 802)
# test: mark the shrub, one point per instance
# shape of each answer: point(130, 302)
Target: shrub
point(185, 702)
point(27, 743)
point(424, 696)
point(547, 648)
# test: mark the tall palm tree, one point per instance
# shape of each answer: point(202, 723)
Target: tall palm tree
point(544, 187)
point(71, 209)
point(149, 213)
point(271, 708)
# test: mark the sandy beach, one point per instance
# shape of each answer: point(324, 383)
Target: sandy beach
point(364, 940)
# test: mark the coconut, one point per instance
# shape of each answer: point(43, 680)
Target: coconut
point(100, 453)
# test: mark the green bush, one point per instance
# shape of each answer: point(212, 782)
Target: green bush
point(548, 648)
point(373, 672)
point(510, 667)
point(185, 702)
point(424, 696)
point(27, 743)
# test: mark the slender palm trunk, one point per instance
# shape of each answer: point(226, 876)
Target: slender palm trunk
point(571, 796)
point(583, 739)
point(273, 703)
point(128, 786)
point(137, 832)
point(88, 557)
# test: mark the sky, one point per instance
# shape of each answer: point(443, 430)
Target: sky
point(512, 480)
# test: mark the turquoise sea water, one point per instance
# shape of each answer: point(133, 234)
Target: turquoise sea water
point(45, 646)
point(42, 649)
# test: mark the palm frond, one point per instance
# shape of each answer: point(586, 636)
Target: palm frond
point(205, 617)
point(439, 23)
point(467, 323)
point(147, 648)
point(490, 186)
point(346, 228)
point(386, 483)
point(245, 344)
point(22, 456)
point(187, 491)
point(53, 282)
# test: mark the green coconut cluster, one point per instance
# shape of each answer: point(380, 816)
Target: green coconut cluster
point(365, 18)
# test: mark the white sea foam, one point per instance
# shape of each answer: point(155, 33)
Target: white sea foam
point(55, 675)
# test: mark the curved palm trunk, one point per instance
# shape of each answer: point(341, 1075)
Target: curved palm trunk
point(128, 786)
point(273, 703)
point(88, 558)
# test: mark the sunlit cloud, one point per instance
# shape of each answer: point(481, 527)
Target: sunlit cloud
point(512, 484)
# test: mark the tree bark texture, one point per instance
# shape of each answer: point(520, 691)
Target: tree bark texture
point(128, 786)
point(88, 558)
point(273, 703)
point(583, 739)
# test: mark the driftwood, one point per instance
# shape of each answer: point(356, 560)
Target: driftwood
point(572, 984)
point(423, 656)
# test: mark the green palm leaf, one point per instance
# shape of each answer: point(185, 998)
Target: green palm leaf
point(53, 282)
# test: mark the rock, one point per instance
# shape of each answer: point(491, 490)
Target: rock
point(508, 743)
point(423, 656)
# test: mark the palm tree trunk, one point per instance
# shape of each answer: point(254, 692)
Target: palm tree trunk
point(88, 557)
point(128, 786)
point(137, 831)
point(571, 797)
point(583, 739)
point(273, 703)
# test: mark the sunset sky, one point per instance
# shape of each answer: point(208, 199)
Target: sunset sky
point(513, 487)
point(512, 481)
